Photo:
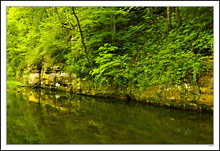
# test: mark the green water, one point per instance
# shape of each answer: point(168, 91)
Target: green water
point(37, 116)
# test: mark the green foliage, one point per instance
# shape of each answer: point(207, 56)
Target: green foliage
point(12, 84)
point(10, 73)
point(170, 66)
point(127, 46)
point(110, 68)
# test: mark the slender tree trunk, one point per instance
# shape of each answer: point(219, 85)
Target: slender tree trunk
point(56, 12)
point(82, 38)
point(178, 16)
point(67, 17)
point(45, 12)
point(39, 72)
point(113, 28)
point(169, 18)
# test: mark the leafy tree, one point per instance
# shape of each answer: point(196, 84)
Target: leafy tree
point(116, 46)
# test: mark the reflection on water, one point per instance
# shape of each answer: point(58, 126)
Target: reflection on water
point(39, 116)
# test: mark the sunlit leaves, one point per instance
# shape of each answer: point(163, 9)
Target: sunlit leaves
point(110, 67)
point(126, 45)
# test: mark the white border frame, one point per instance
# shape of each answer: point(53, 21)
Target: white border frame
point(215, 4)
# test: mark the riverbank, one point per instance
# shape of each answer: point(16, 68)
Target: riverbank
point(187, 95)
point(12, 84)
point(184, 96)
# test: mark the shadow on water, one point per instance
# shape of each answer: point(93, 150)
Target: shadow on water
point(39, 116)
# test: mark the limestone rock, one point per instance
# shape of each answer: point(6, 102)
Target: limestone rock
point(33, 78)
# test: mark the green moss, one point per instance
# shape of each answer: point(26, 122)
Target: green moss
point(13, 84)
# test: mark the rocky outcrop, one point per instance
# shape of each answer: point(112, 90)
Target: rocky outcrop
point(206, 90)
point(49, 76)
point(186, 95)
point(33, 78)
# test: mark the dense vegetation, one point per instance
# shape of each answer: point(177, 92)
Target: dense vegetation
point(117, 46)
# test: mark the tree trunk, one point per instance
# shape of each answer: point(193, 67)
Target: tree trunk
point(178, 17)
point(113, 28)
point(56, 12)
point(82, 39)
point(169, 18)
point(39, 66)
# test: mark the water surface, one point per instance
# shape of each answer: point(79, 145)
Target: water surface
point(39, 116)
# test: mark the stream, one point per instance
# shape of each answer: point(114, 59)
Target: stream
point(43, 116)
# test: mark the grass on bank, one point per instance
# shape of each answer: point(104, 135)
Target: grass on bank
point(12, 84)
